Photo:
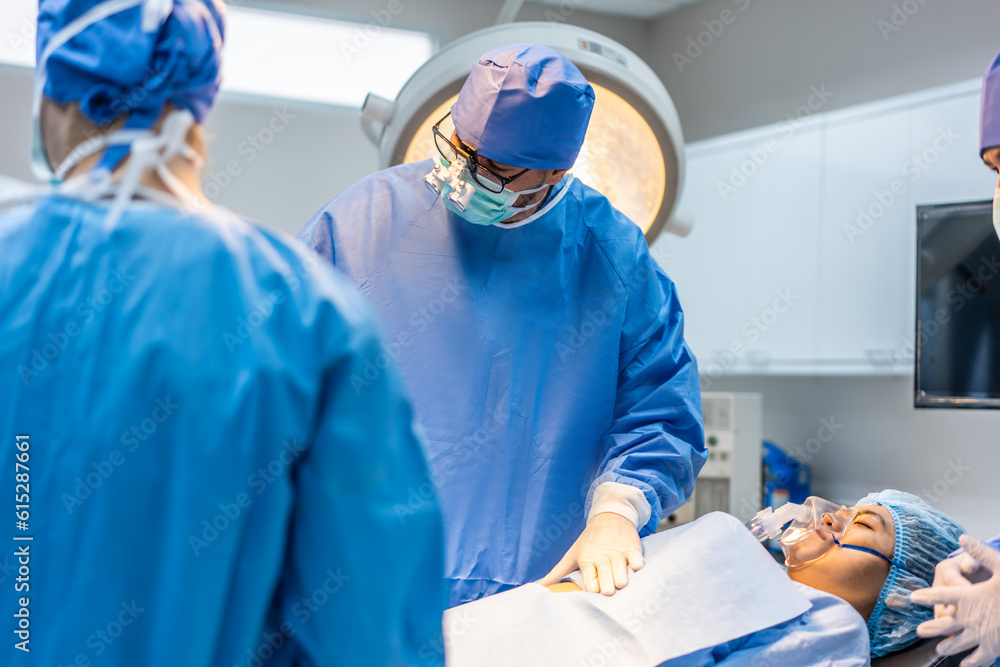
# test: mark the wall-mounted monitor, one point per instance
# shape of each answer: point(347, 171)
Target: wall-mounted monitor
point(958, 307)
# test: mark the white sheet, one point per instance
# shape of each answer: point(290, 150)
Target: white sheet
point(704, 584)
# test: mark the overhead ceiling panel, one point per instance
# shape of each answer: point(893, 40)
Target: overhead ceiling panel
point(641, 9)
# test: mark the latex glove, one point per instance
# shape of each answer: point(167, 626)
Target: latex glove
point(602, 553)
point(956, 571)
point(976, 621)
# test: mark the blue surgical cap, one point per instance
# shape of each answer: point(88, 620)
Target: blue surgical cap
point(924, 537)
point(525, 106)
point(989, 118)
point(125, 64)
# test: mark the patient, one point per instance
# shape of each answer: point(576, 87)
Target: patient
point(901, 539)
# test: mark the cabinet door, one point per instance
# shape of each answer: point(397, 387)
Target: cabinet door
point(944, 165)
point(748, 274)
point(866, 243)
point(706, 266)
point(780, 253)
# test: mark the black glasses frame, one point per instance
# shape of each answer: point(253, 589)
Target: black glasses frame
point(472, 158)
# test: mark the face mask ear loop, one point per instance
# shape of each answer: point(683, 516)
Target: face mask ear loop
point(95, 145)
point(153, 152)
point(873, 553)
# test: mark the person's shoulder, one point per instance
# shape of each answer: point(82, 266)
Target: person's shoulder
point(602, 218)
point(388, 189)
point(222, 247)
point(620, 240)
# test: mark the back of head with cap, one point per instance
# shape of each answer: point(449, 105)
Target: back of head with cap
point(924, 537)
point(129, 57)
point(989, 128)
point(525, 106)
point(132, 61)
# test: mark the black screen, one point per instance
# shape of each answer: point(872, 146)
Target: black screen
point(958, 307)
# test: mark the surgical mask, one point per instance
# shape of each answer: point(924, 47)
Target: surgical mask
point(996, 211)
point(815, 529)
point(460, 193)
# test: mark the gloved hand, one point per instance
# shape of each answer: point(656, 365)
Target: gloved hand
point(976, 607)
point(602, 553)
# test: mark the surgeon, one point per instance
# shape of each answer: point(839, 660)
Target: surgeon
point(196, 482)
point(966, 590)
point(542, 346)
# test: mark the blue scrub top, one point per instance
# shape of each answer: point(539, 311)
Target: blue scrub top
point(542, 361)
point(204, 485)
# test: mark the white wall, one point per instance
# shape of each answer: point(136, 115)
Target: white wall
point(760, 68)
point(949, 457)
point(322, 150)
point(762, 65)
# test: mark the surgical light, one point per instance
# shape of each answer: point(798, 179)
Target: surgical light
point(634, 149)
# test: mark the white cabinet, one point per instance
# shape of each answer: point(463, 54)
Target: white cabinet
point(802, 255)
point(944, 155)
point(705, 266)
point(867, 241)
point(747, 275)
point(780, 278)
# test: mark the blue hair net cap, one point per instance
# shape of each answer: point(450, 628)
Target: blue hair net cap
point(115, 66)
point(924, 537)
point(989, 127)
point(525, 106)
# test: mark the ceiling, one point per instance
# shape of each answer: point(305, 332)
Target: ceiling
point(640, 9)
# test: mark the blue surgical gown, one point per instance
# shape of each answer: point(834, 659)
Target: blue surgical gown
point(831, 634)
point(542, 361)
point(204, 485)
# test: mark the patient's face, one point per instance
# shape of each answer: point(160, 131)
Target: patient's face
point(852, 575)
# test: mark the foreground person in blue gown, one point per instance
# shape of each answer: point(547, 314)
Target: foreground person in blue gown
point(197, 482)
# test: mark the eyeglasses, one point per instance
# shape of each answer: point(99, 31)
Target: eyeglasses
point(481, 174)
